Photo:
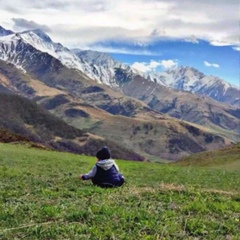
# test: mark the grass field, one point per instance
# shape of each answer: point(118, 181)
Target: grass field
point(41, 197)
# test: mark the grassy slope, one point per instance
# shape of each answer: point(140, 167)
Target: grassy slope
point(227, 158)
point(41, 197)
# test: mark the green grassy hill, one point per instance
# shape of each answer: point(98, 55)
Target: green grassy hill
point(41, 197)
point(227, 158)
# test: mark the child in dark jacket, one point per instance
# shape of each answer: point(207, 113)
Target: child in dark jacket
point(105, 173)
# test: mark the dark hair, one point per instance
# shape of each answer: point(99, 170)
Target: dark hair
point(103, 153)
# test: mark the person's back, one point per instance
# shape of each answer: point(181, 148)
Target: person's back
point(106, 172)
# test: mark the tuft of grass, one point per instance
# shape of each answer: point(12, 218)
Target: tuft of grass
point(41, 197)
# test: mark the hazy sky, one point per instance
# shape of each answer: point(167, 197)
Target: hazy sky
point(148, 34)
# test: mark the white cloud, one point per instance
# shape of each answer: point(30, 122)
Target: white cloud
point(219, 43)
point(153, 65)
point(207, 64)
point(169, 63)
point(146, 67)
point(237, 48)
point(89, 21)
point(22, 24)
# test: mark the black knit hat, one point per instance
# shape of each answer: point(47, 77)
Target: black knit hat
point(103, 153)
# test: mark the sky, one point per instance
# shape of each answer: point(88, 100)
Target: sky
point(150, 35)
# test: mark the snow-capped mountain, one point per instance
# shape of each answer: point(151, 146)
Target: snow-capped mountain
point(102, 65)
point(42, 42)
point(97, 66)
point(97, 58)
point(14, 46)
point(192, 80)
point(101, 69)
point(105, 67)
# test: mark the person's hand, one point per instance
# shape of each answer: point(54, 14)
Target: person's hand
point(80, 176)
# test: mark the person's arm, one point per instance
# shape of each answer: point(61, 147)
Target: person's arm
point(89, 175)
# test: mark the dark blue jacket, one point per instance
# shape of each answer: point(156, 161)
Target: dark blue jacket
point(110, 176)
point(105, 172)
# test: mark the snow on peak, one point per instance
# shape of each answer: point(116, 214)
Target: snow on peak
point(39, 40)
point(97, 58)
point(42, 42)
point(187, 72)
point(191, 79)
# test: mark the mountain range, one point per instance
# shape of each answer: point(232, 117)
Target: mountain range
point(182, 78)
point(92, 92)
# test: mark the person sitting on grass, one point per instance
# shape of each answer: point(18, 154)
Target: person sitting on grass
point(105, 172)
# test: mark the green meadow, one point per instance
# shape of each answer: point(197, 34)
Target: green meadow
point(41, 197)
